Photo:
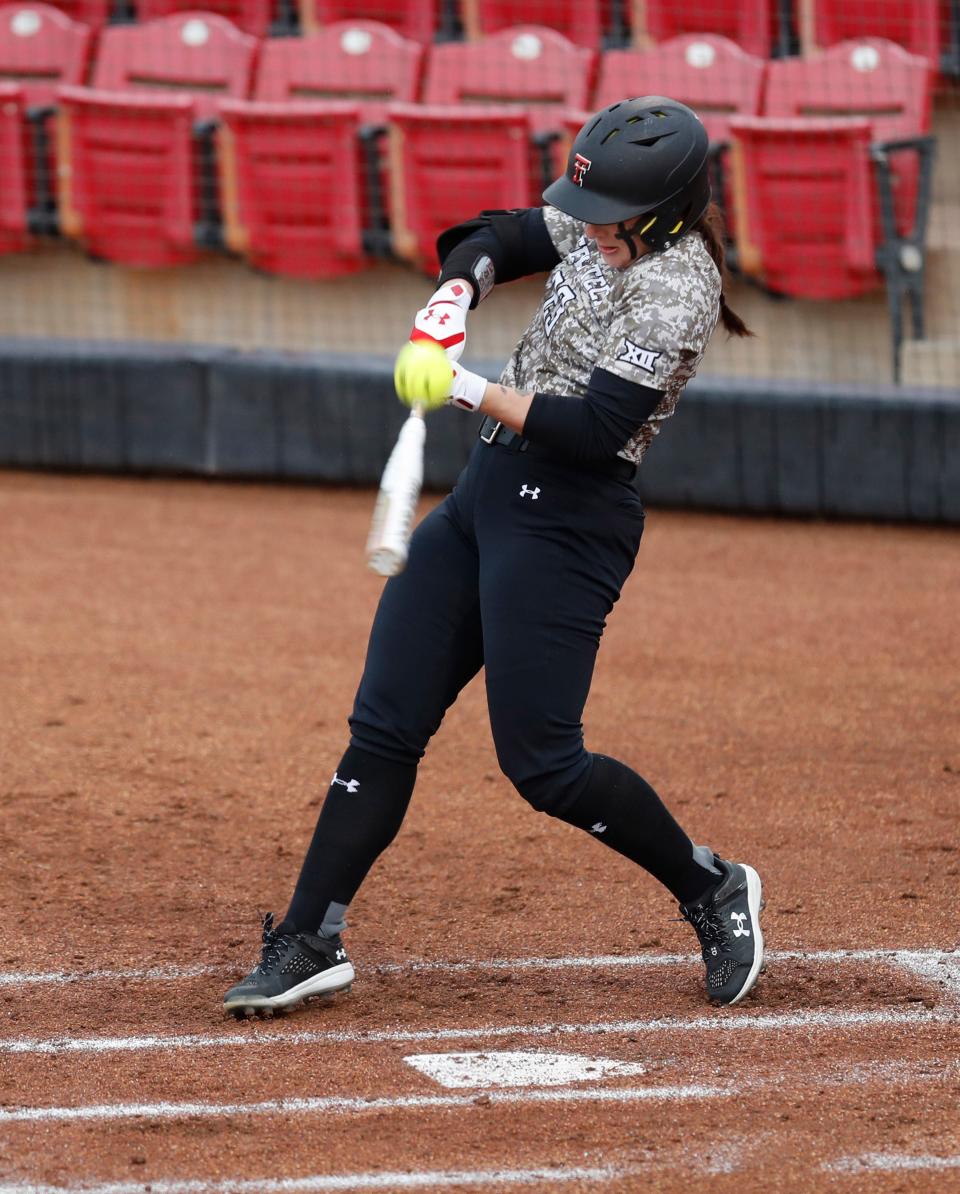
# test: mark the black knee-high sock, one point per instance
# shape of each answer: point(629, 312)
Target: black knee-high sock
point(364, 808)
point(620, 808)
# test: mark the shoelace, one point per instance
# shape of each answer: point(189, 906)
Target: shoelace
point(707, 925)
point(272, 945)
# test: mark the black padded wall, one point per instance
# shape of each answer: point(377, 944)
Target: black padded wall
point(766, 447)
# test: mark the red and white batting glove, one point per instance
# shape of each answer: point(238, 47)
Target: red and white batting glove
point(468, 389)
point(443, 319)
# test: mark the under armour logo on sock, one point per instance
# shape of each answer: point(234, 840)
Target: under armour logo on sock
point(739, 917)
point(352, 785)
point(530, 493)
point(598, 828)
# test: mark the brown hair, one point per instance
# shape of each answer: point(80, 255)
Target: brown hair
point(712, 228)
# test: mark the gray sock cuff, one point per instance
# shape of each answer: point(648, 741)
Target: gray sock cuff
point(334, 920)
point(704, 856)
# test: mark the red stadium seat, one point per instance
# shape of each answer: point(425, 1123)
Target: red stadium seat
point(526, 65)
point(711, 74)
point(364, 62)
point(870, 77)
point(446, 164)
point(292, 186)
point(580, 21)
point(752, 24)
point(295, 179)
point(814, 214)
point(417, 21)
point(804, 205)
point(875, 79)
point(129, 177)
point(15, 170)
point(40, 48)
point(913, 24)
point(194, 52)
point(252, 16)
point(130, 161)
point(93, 13)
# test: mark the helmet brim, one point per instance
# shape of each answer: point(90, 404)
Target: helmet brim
point(586, 205)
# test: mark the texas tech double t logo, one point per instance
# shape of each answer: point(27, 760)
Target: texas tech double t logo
point(580, 167)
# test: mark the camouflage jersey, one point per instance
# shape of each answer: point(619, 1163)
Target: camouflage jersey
point(648, 323)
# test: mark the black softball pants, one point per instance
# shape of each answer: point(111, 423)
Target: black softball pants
point(516, 572)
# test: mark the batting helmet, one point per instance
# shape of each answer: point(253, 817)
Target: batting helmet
point(641, 157)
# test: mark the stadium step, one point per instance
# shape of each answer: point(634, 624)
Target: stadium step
point(929, 362)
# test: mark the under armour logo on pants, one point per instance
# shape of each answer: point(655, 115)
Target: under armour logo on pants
point(530, 493)
point(352, 785)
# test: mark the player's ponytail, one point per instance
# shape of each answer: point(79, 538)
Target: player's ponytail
point(711, 227)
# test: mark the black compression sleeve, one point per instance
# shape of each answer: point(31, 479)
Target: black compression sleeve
point(516, 243)
point(596, 426)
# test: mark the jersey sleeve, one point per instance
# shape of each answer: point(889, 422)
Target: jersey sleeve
point(497, 246)
point(661, 327)
point(564, 230)
point(596, 426)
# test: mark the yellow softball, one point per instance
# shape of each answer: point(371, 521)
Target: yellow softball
point(423, 374)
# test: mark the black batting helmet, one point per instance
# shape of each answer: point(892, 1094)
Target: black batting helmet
point(640, 157)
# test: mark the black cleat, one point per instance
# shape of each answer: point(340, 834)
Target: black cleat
point(727, 921)
point(292, 967)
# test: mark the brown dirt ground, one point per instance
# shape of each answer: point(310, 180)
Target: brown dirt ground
point(176, 664)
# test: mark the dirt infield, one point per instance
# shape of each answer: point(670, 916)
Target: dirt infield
point(176, 664)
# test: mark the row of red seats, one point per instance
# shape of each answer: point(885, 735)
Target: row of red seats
point(300, 185)
point(371, 64)
point(761, 27)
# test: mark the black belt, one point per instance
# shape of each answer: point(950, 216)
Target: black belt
point(494, 432)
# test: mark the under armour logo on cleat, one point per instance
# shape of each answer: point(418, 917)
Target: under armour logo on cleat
point(530, 493)
point(598, 828)
point(352, 785)
point(739, 917)
point(341, 954)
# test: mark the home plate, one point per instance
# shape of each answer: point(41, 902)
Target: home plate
point(459, 1070)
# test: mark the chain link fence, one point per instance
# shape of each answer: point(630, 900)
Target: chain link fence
point(273, 175)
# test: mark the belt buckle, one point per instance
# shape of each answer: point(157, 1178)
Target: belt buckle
point(493, 434)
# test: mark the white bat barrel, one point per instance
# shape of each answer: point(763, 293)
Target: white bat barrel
point(389, 538)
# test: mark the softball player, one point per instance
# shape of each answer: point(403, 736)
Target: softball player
point(518, 569)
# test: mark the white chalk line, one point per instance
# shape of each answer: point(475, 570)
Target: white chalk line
point(892, 1073)
point(729, 1021)
point(911, 958)
point(404, 1180)
point(347, 1181)
point(156, 974)
point(875, 1162)
point(943, 969)
point(333, 1104)
point(887, 1074)
point(889, 1163)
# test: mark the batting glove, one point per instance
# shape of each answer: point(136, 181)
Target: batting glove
point(443, 319)
point(468, 389)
